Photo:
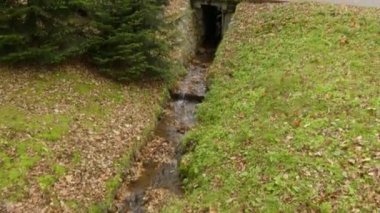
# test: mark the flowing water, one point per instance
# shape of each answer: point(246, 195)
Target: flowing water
point(154, 176)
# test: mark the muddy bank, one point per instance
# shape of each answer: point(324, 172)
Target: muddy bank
point(154, 176)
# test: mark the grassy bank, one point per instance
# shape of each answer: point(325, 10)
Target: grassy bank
point(291, 121)
point(63, 133)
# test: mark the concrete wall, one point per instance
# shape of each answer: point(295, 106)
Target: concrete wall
point(226, 22)
point(185, 27)
point(184, 32)
point(227, 9)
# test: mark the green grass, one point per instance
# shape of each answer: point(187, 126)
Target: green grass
point(49, 126)
point(39, 110)
point(15, 161)
point(291, 121)
point(113, 184)
point(46, 181)
point(47, 117)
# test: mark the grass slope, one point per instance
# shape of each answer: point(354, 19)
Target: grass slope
point(291, 121)
point(63, 134)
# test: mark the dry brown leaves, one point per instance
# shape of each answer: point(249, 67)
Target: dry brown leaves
point(175, 7)
point(85, 181)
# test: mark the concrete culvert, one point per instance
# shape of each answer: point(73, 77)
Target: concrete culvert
point(212, 23)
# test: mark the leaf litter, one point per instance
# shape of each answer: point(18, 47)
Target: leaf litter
point(104, 121)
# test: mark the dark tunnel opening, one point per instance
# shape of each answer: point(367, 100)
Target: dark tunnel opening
point(212, 23)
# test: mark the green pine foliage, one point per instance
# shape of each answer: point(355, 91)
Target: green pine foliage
point(37, 31)
point(128, 45)
point(121, 37)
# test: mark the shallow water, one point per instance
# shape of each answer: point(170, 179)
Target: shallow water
point(157, 166)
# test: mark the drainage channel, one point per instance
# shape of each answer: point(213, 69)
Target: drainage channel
point(154, 176)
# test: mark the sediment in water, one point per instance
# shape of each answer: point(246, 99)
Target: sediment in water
point(154, 176)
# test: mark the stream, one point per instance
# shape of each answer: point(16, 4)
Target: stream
point(154, 176)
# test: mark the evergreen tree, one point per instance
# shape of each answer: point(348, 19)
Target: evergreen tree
point(120, 36)
point(37, 31)
point(128, 46)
